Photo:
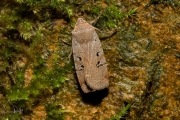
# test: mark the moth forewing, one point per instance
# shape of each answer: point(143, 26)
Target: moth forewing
point(97, 71)
point(90, 63)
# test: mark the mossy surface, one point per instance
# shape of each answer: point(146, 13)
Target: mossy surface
point(28, 68)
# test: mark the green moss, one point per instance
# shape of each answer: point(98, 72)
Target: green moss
point(54, 111)
point(11, 116)
point(17, 93)
point(8, 49)
point(26, 29)
point(122, 112)
point(112, 16)
point(21, 15)
point(37, 6)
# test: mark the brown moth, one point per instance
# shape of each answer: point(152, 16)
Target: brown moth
point(90, 63)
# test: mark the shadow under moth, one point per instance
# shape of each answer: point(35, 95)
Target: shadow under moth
point(90, 63)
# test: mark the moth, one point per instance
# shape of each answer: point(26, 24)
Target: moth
point(90, 63)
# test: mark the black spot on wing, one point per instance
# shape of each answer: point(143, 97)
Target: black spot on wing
point(99, 64)
point(98, 53)
point(79, 58)
point(80, 68)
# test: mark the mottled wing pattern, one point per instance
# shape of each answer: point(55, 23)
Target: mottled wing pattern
point(79, 64)
point(90, 63)
point(97, 74)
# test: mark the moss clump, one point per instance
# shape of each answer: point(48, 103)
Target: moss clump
point(111, 16)
point(15, 93)
point(110, 12)
point(22, 40)
point(11, 116)
point(54, 111)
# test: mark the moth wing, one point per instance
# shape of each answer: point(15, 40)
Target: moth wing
point(97, 78)
point(79, 65)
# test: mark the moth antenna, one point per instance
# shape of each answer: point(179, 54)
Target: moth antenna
point(96, 19)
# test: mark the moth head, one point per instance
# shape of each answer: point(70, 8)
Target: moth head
point(80, 21)
point(81, 24)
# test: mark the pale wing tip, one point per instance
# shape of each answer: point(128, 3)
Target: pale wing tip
point(85, 89)
point(100, 85)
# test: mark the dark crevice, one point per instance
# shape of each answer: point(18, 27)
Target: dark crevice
point(151, 87)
